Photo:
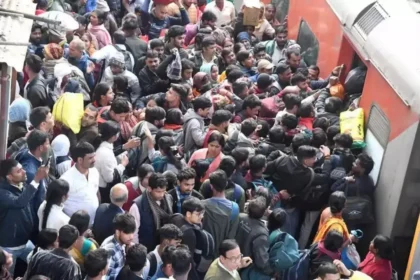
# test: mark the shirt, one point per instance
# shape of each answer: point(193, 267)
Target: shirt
point(56, 218)
point(377, 269)
point(116, 251)
point(83, 192)
point(278, 54)
point(224, 16)
point(233, 273)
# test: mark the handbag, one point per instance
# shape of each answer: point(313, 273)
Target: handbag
point(350, 257)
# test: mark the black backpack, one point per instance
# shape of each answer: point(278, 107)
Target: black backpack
point(127, 58)
point(359, 209)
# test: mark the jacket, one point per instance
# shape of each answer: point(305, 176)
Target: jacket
point(103, 226)
point(198, 61)
point(137, 47)
point(266, 148)
point(193, 131)
point(363, 185)
point(17, 218)
point(156, 25)
point(320, 109)
point(16, 131)
point(216, 272)
point(36, 92)
point(252, 237)
point(82, 64)
point(151, 82)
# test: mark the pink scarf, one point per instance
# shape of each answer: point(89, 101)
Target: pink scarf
point(101, 35)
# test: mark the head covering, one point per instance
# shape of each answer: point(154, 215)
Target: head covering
point(19, 110)
point(243, 36)
point(60, 71)
point(264, 64)
point(61, 145)
point(117, 60)
point(206, 68)
point(102, 6)
point(200, 79)
point(53, 51)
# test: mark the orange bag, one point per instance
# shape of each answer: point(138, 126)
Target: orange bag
point(337, 91)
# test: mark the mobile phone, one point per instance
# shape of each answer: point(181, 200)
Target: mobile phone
point(47, 162)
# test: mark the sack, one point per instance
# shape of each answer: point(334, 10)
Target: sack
point(350, 257)
point(283, 252)
point(358, 210)
point(69, 111)
point(271, 106)
point(351, 122)
point(300, 269)
point(127, 58)
point(355, 80)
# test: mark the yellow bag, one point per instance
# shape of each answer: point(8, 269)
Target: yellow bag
point(68, 110)
point(352, 122)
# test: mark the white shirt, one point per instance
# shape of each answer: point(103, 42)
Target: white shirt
point(83, 192)
point(278, 54)
point(224, 16)
point(109, 51)
point(56, 218)
point(105, 163)
point(235, 273)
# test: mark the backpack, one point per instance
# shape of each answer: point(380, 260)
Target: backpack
point(358, 210)
point(237, 193)
point(300, 269)
point(127, 58)
point(153, 266)
point(283, 251)
point(160, 164)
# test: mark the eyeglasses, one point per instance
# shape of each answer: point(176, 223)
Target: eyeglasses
point(235, 259)
point(200, 214)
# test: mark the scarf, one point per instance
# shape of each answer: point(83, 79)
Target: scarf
point(172, 126)
point(158, 212)
point(181, 197)
point(101, 34)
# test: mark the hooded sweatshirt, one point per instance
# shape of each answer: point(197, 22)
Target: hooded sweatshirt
point(194, 133)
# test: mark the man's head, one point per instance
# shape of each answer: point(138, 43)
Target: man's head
point(33, 64)
point(240, 88)
point(36, 34)
point(292, 102)
point(176, 36)
point(257, 207)
point(96, 263)
point(252, 106)
point(300, 81)
point(337, 202)
point(209, 46)
point(265, 67)
point(257, 165)
point(307, 155)
point(38, 142)
point(259, 52)
point(363, 165)
point(170, 235)
point(76, 48)
point(264, 82)
point(117, 63)
point(186, 178)
point(276, 135)
point(119, 194)
point(80, 220)
point(155, 116)
point(157, 45)
point(230, 254)
point(270, 12)
point(161, 11)
point(182, 260)
point(289, 121)
point(193, 210)
point(130, 26)
point(119, 109)
point(67, 236)
point(281, 36)
point(284, 72)
point(12, 171)
point(83, 155)
point(187, 69)
point(89, 116)
point(218, 181)
point(152, 60)
point(248, 127)
point(240, 155)
point(328, 271)
point(119, 37)
point(136, 257)
point(202, 106)
point(276, 219)
point(306, 110)
point(343, 140)
point(221, 119)
point(245, 58)
point(208, 19)
point(333, 105)
point(319, 138)
point(313, 72)
point(157, 186)
point(293, 58)
point(228, 165)
point(42, 119)
point(175, 94)
point(124, 226)
point(228, 56)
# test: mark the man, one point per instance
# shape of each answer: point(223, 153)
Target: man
point(186, 179)
point(224, 11)
point(149, 79)
point(31, 160)
point(35, 90)
point(169, 235)
point(83, 180)
point(103, 224)
point(96, 264)
point(219, 122)
point(284, 74)
point(294, 59)
point(328, 107)
point(194, 133)
point(329, 271)
point(264, 67)
point(117, 67)
point(88, 130)
point(208, 21)
point(176, 39)
point(35, 39)
point(124, 226)
point(207, 55)
point(148, 222)
point(246, 63)
point(220, 209)
point(250, 109)
point(16, 209)
point(275, 142)
point(314, 73)
point(252, 236)
point(228, 58)
point(135, 260)
point(182, 260)
point(229, 261)
point(137, 47)
point(177, 96)
point(194, 14)
point(79, 58)
point(277, 47)
point(138, 184)
point(57, 264)
point(292, 103)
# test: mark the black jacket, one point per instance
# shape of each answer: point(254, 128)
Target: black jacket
point(36, 92)
point(102, 226)
point(151, 83)
point(266, 148)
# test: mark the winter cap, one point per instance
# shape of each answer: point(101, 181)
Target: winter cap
point(117, 60)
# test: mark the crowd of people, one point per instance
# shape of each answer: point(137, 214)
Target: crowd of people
point(208, 149)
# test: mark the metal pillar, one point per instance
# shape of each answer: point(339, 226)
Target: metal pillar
point(5, 91)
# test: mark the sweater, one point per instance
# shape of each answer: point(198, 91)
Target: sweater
point(194, 133)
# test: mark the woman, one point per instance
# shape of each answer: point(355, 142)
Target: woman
point(61, 148)
point(97, 29)
point(212, 71)
point(228, 44)
point(138, 184)
point(90, 43)
point(82, 246)
point(201, 84)
point(47, 240)
point(208, 157)
point(377, 263)
point(102, 95)
point(164, 159)
point(50, 213)
point(53, 55)
point(6, 261)
point(110, 171)
point(18, 119)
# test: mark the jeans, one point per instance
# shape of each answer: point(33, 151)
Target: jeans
point(305, 231)
point(19, 253)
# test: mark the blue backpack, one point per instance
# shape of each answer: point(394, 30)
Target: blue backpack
point(300, 270)
point(257, 183)
point(283, 252)
point(160, 164)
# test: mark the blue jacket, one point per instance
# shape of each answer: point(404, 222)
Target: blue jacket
point(103, 226)
point(16, 216)
point(147, 230)
point(82, 64)
point(31, 165)
point(156, 25)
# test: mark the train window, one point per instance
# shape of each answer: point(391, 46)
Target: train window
point(282, 9)
point(309, 43)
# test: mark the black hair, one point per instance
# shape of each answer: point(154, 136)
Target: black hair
point(154, 114)
point(248, 126)
point(333, 105)
point(170, 232)
point(35, 26)
point(120, 106)
point(226, 246)
point(82, 20)
point(322, 123)
point(171, 178)
point(174, 116)
point(242, 56)
point(35, 139)
point(291, 51)
point(80, 219)
point(281, 29)
point(327, 268)
point(154, 43)
point(39, 115)
point(299, 140)
point(306, 152)
point(160, 134)
point(6, 167)
point(208, 41)
point(95, 262)
point(191, 204)
point(257, 207)
point(208, 16)
point(218, 180)
point(217, 136)
point(259, 48)
point(143, 170)
point(297, 78)
point(167, 255)
point(186, 174)
point(81, 150)
point(181, 260)
point(225, 52)
point(152, 54)
point(67, 235)
point(264, 130)
point(343, 140)
point(234, 75)
point(332, 131)
point(34, 63)
point(238, 87)
point(100, 15)
point(100, 90)
point(314, 67)
point(119, 37)
point(42, 4)
point(124, 222)
point(136, 257)
point(337, 202)
point(187, 64)
point(276, 219)
point(181, 90)
point(289, 121)
point(221, 116)
point(201, 102)
point(45, 239)
point(120, 83)
point(306, 110)
point(333, 241)
point(291, 100)
point(157, 180)
point(281, 68)
point(276, 134)
point(251, 101)
point(302, 71)
point(264, 81)
point(165, 143)
point(228, 164)
point(319, 137)
point(257, 163)
point(130, 24)
point(232, 67)
point(237, 47)
point(175, 31)
point(366, 162)
point(55, 192)
point(108, 130)
point(240, 155)
point(384, 248)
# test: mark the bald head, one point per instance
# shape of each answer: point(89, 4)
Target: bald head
point(119, 194)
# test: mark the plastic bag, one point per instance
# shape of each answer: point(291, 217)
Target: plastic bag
point(350, 257)
point(351, 122)
point(355, 80)
point(69, 110)
point(174, 68)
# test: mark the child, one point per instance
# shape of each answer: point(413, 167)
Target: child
point(159, 19)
